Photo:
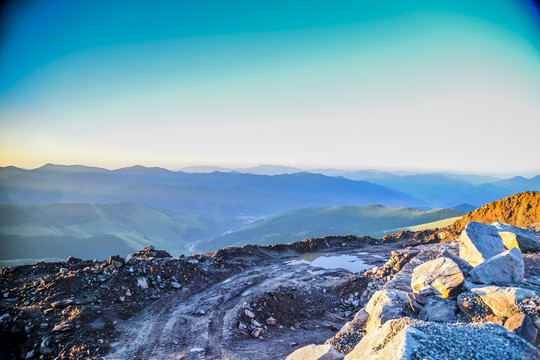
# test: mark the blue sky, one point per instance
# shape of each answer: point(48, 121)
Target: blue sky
point(448, 85)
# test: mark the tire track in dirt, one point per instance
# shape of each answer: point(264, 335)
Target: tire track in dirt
point(204, 325)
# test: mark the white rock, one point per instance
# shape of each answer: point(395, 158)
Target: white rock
point(142, 282)
point(316, 352)
point(401, 346)
point(508, 266)
point(514, 236)
point(479, 242)
point(384, 305)
point(442, 273)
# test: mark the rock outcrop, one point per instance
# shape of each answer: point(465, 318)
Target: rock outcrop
point(522, 209)
point(413, 315)
point(437, 309)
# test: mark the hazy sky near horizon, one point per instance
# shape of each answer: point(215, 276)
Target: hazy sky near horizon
point(449, 84)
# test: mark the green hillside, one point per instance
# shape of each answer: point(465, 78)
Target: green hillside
point(97, 230)
point(295, 225)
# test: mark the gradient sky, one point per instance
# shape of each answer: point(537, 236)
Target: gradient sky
point(424, 84)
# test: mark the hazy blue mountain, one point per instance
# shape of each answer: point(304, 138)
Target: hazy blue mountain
point(520, 182)
point(233, 194)
point(473, 179)
point(466, 208)
point(440, 190)
point(132, 226)
point(317, 188)
point(215, 194)
point(336, 220)
point(204, 169)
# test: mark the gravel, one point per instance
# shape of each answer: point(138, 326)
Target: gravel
point(470, 342)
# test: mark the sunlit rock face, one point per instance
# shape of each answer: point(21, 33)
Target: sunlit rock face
point(505, 301)
point(384, 305)
point(442, 273)
point(514, 236)
point(479, 242)
point(508, 267)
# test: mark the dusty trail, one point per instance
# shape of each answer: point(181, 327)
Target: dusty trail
point(205, 325)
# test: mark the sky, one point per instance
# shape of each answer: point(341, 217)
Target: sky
point(387, 84)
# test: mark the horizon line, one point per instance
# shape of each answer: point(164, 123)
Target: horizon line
point(238, 168)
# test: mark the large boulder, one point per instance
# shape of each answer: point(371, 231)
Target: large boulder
point(442, 273)
point(316, 352)
point(384, 305)
point(508, 267)
point(514, 236)
point(402, 339)
point(504, 301)
point(479, 242)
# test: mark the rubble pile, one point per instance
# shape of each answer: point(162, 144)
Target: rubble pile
point(67, 310)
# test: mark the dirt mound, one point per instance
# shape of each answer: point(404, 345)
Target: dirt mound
point(522, 210)
point(150, 252)
point(307, 245)
point(67, 310)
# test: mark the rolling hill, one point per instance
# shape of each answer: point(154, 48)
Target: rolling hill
point(317, 222)
point(96, 231)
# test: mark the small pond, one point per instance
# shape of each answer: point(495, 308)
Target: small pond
point(351, 263)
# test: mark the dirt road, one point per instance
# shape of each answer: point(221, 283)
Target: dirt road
point(212, 324)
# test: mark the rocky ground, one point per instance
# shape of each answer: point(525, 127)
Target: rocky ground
point(226, 304)
point(477, 297)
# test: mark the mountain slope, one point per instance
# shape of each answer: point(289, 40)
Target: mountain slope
point(316, 222)
point(522, 210)
point(132, 226)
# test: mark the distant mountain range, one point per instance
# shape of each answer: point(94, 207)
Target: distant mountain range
point(295, 225)
point(91, 211)
point(219, 195)
point(229, 194)
point(434, 189)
